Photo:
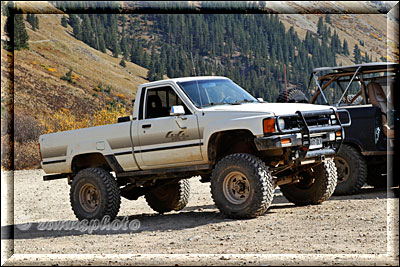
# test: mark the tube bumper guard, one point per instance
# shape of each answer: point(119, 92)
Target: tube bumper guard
point(313, 140)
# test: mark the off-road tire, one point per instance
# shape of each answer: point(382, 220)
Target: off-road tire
point(169, 197)
point(256, 178)
point(318, 185)
point(100, 184)
point(352, 170)
point(293, 96)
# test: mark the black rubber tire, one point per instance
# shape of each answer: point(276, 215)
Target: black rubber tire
point(315, 189)
point(349, 162)
point(260, 186)
point(108, 191)
point(169, 197)
point(293, 96)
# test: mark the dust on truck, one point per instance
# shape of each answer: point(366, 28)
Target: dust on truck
point(198, 126)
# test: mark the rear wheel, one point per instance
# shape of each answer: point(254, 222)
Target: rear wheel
point(94, 194)
point(169, 197)
point(242, 186)
point(352, 170)
point(316, 186)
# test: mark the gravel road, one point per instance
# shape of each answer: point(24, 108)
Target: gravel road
point(347, 230)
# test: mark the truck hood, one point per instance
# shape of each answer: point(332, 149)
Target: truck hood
point(270, 108)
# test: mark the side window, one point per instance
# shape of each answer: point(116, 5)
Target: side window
point(160, 100)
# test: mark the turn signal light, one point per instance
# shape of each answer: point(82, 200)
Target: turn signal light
point(338, 133)
point(269, 125)
point(285, 141)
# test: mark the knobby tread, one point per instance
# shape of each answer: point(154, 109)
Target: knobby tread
point(179, 197)
point(264, 185)
point(112, 196)
point(293, 96)
point(360, 170)
point(326, 191)
point(325, 176)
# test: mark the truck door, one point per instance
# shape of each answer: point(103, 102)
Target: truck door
point(166, 139)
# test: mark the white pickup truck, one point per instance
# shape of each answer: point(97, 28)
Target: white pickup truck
point(198, 126)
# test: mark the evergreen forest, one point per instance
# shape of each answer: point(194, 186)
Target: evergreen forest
point(253, 49)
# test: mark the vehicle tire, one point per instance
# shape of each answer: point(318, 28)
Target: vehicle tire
point(169, 197)
point(293, 96)
point(352, 170)
point(94, 194)
point(317, 185)
point(242, 186)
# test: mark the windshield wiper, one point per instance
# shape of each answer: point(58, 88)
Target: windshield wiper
point(242, 101)
point(213, 104)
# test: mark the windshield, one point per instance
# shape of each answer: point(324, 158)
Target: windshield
point(205, 93)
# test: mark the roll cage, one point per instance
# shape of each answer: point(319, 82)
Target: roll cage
point(361, 73)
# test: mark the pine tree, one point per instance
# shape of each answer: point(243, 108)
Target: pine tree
point(116, 50)
point(102, 44)
point(122, 63)
point(76, 26)
point(21, 37)
point(124, 47)
point(345, 48)
point(35, 22)
point(64, 22)
point(328, 19)
point(320, 26)
point(357, 54)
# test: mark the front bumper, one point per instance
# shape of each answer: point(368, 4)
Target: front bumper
point(303, 134)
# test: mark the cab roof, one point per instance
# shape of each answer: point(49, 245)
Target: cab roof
point(185, 79)
point(352, 68)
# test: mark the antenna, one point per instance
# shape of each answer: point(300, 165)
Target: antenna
point(194, 69)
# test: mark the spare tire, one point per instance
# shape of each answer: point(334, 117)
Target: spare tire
point(293, 96)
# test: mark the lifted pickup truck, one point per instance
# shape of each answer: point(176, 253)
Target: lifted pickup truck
point(198, 126)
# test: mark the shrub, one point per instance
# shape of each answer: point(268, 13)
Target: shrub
point(26, 128)
point(68, 76)
point(26, 155)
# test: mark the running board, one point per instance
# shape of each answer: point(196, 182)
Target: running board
point(165, 171)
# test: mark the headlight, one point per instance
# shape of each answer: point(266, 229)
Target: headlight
point(281, 124)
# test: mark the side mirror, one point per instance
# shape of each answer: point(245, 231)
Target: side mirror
point(177, 111)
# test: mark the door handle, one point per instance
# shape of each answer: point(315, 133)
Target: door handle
point(146, 125)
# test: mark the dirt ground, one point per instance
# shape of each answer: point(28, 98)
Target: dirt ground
point(362, 229)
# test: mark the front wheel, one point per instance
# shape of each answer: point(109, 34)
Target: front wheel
point(352, 170)
point(242, 186)
point(316, 186)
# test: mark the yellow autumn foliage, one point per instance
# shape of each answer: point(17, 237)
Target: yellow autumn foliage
point(63, 120)
point(51, 69)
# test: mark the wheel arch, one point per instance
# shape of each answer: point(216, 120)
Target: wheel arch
point(227, 142)
point(90, 160)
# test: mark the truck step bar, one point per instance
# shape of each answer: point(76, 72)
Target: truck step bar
point(165, 171)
